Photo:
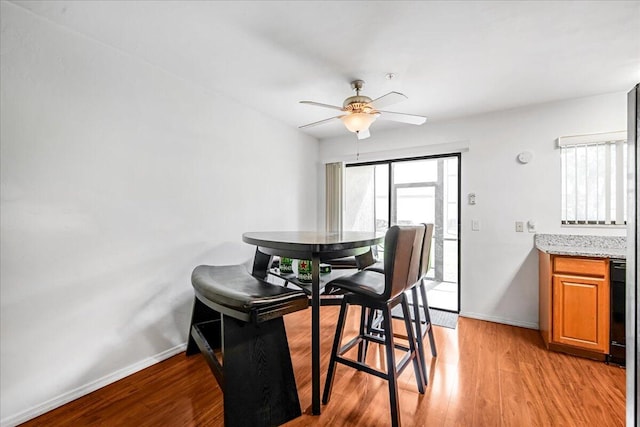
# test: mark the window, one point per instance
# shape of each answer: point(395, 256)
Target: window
point(594, 178)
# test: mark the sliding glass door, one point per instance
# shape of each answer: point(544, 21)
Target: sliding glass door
point(407, 192)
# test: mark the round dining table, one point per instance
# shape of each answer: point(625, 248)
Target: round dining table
point(316, 246)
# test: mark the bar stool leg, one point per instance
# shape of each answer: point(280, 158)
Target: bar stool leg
point(418, 328)
point(417, 365)
point(334, 352)
point(428, 325)
point(363, 344)
point(391, 367)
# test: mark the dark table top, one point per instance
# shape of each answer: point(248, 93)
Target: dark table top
point(313, 241)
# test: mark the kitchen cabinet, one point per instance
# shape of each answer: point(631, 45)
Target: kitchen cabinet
point(574, 304)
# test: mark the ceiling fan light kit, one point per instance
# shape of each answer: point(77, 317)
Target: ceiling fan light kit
point(361, 111)
point(357, 122)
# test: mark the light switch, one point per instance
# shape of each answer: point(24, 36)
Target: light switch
point(475, 225)
point(519, 226)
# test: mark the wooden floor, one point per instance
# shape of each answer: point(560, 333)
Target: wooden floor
point(486, 374)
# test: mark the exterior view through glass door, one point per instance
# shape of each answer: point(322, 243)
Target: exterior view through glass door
point(408, 192)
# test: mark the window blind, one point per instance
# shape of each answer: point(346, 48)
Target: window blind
point(593, 178)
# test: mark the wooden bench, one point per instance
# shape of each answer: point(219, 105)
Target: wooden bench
point(237, 325)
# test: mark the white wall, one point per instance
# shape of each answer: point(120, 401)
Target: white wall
point(117, 179)
point(499, 276)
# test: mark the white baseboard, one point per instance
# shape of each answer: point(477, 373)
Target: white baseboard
point(495, 319)
point(37, 410)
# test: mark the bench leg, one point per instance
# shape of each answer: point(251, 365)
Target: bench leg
point(207, 337)
point(259, 385)
point(201, 313)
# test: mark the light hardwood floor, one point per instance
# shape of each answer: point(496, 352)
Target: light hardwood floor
point(486, 374)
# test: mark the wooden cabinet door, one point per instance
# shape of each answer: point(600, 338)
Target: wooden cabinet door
point(581, 312)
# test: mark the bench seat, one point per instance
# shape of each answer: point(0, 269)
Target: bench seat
point(239, 316)
point(232, 291)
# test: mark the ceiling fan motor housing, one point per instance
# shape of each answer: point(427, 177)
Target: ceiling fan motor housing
point(357, 104)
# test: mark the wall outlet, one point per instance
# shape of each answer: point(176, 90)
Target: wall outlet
point(531, 226)
point(472, 198)
point(519, 226)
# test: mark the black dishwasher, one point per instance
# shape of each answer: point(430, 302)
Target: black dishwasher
point(618, 274)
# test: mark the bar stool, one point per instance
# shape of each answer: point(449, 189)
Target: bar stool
point(421, 321)
point(374, 291)
point(240, 315)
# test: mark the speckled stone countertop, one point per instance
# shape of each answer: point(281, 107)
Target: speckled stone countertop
point(581, 245)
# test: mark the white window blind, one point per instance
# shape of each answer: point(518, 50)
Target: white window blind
point(594, 178)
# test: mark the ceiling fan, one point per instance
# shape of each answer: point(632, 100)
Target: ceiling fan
point(360, 111)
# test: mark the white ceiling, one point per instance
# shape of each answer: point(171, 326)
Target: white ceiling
point(451, 59)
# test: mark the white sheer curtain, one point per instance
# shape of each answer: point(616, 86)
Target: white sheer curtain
point(334, 173)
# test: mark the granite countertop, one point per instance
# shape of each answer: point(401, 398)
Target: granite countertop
point(582, 245)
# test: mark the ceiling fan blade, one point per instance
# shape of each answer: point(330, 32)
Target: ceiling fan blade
point(363, 134)
point(388, 99)
point(319, 122)
point(402, 117)
point(319, 104)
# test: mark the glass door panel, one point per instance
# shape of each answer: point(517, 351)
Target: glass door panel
point(415, 205)
point(367, 198)
point(359, 199)
point(415, 171)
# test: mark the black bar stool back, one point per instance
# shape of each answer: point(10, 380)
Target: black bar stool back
point(421, 321)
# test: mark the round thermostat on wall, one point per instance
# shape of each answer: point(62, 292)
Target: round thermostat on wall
point(525, 157)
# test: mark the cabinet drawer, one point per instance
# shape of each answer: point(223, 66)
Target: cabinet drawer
point(580, 266)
